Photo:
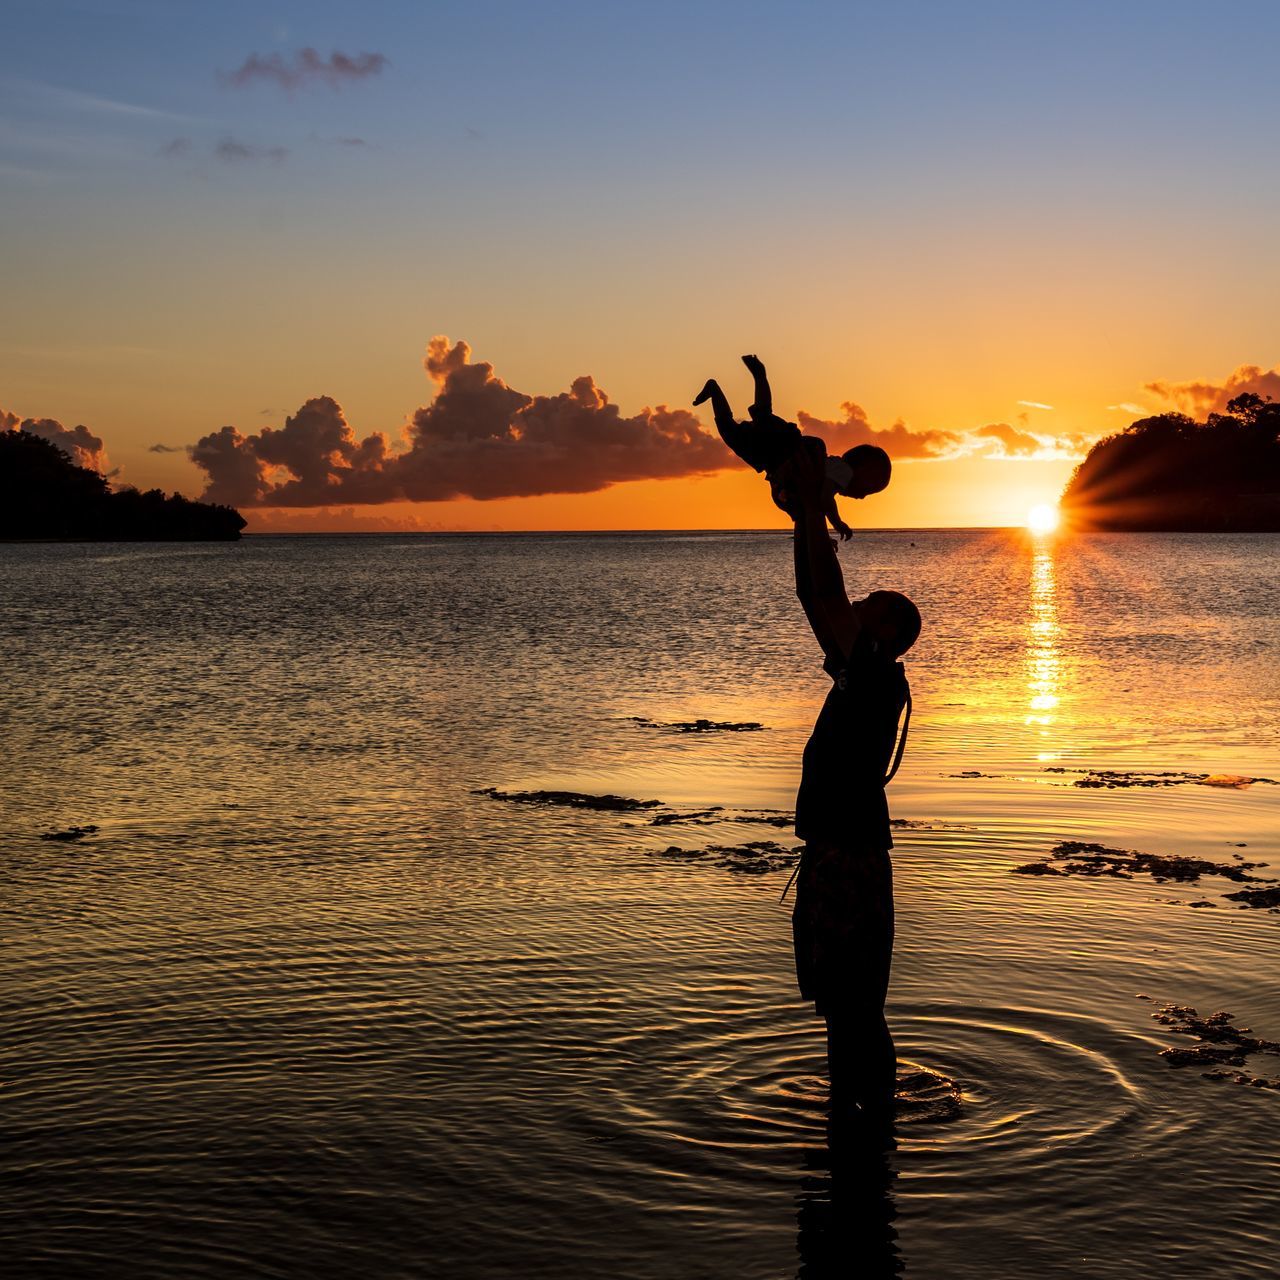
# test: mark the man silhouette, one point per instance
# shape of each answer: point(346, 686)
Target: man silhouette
point(843, 918)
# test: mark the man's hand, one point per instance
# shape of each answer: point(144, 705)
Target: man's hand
point(841, 528)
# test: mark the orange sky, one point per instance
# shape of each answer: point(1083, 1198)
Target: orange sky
point(1012, 244)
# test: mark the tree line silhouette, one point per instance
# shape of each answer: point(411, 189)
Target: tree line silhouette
point(1170, 472)
point(43, 494)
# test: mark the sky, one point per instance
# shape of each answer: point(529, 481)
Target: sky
point(409, 265)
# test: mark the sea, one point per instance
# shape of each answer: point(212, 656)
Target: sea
point(322, 956)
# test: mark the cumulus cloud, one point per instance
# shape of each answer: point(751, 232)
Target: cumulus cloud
point(479, 438)
point(1198, 398)
point(899, 440)
point(994, 440)
point(306, 67)
point(78, 443)
point(1000, 440)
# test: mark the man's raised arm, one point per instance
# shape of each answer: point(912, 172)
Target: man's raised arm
point(819, 582)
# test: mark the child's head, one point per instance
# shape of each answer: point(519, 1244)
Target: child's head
point(869, 468)
point(891, 620)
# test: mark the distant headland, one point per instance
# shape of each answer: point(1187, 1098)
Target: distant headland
point(1171, 473)
point(44, 495)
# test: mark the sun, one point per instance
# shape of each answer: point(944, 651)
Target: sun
point(1042, 518)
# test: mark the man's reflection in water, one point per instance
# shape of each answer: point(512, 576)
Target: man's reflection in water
point(845, 1210)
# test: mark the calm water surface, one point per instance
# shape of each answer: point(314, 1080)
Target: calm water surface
point(304, 1005)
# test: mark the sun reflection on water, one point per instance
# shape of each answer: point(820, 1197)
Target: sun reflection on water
point(1043, 658)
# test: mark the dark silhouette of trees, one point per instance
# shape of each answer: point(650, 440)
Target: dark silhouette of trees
point(1170, 472)
point(43, 494)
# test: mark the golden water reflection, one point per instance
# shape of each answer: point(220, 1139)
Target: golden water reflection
point(1044, 658)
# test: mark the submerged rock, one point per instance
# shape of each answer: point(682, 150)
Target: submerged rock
point(1219, 1043)
point(1257, 897)
point(70, 833)
point(718, 813)
point(755, 857)
point(699, 725)
point(1096, 779)
point(698, 817)
point(1086, 858)
point(569, 799)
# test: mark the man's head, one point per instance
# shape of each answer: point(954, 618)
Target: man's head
point(890, 619)
point(869, 470)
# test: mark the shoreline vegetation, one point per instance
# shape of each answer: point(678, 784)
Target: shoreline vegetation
point(45, 496)
point(1171, 474)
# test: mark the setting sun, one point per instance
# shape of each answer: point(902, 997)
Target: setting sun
point(1042, 518)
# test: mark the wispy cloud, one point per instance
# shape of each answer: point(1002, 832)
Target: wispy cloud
point(1035, 404)
point(1126, 407)
point(306, 67)
point(234, 151)
point(340, 140)
point(166, 448)
point(78, 100)
point(229, 150)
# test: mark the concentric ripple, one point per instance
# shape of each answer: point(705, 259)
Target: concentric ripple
point(986, 1097)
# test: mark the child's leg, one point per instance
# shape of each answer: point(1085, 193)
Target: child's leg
point(719, 403)
point(737, 435)
point(762, 406)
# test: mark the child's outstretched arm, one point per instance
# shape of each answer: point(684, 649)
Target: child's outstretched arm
point(833, 514)
point(762, 407)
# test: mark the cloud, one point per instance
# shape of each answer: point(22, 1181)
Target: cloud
point(78, 443)
point(994, 440)
point(899, 440)
point(166, 448)
point(1000, 440)
point(230, 149)
point(1199, 398)
point(1013, 443)
point(479, 438)
point(306, 67)
point(77, 100)
point(1126, 406)
point(1035, 404)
